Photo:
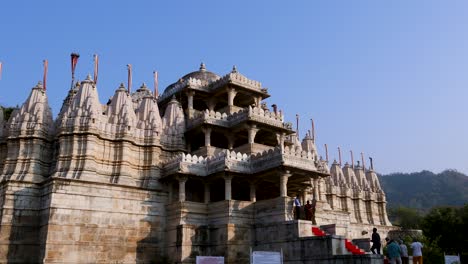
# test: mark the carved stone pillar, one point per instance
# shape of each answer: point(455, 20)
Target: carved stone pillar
point(280, 139)
point(207, 131)
point(190, 95)
point(304, 196)
point(182, 180)
point(231, 140)
point(253, 197)
point(227, 187)
point(207, 192)
point(252, 131)
point(211, 103)
point(284, 183)
point(316, 189)
point(258, 100)
point(231, 92)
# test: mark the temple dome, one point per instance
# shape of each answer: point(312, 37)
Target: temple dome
point(202, 74)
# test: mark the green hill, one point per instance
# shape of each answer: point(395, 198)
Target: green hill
point(424, 190)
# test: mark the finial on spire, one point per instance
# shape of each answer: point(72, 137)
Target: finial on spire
point(202, 67)
point(234, 69)
point(143, 86)
point(39, 85)
point(88, 77)
point(122, 86)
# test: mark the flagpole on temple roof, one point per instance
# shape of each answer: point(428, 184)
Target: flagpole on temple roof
point(371, 163)
point(313, 129)
point(339, 154)
point(156, 91)
point(352, 159)
point(1, 67)
point(74, 60)
point(44, 79)
point(129, 68)
point(362, 160)
point(96, 68)
point(297, 126)
point(326, 152)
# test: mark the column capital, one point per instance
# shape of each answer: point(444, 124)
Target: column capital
point(190, 92)
point(182, 178)
point(228, 176)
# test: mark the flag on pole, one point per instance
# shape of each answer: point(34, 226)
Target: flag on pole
point(1, 70)
point(96, 67)
point(156, 92)
point(44, 81)
point(74, 61)
point(129, 67)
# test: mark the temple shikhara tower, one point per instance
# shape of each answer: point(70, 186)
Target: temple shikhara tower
point(204, 169)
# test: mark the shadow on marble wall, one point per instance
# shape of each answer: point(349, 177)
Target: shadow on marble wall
point(25, 243)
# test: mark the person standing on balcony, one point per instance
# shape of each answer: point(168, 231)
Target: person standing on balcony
point(297, 207)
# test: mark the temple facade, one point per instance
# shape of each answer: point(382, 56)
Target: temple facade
point(206, 168)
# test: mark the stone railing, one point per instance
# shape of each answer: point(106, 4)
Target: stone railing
point(209, 117)
point(240, 162)
point(249, 113)
point(179, 86)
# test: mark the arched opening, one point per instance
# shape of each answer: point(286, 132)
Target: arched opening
point(241, 138)
point(194, 191)
point(217, 190)
point(219, 140)
point(197, 140)
point(267, 190)
point(266, 137)
point(240, 189)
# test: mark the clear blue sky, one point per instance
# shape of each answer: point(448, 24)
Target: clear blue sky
point(389, 78)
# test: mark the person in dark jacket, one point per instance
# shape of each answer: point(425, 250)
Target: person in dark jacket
point(375, 241)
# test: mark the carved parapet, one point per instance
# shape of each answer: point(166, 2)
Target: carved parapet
point(237, 79)
point(209, 117)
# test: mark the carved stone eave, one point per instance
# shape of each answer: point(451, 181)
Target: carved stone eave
point(239, 80)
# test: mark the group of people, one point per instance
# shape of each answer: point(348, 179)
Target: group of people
point(397, 252)
point(309, 209)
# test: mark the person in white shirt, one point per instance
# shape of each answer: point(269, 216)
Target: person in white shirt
point(404, 252)
point(417, 252)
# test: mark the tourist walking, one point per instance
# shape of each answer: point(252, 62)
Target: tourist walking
point(404, 252)
point(375, 239)
point(417, 251)
point(393, 252)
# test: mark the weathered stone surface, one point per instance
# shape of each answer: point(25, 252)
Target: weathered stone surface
point(205, 169)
